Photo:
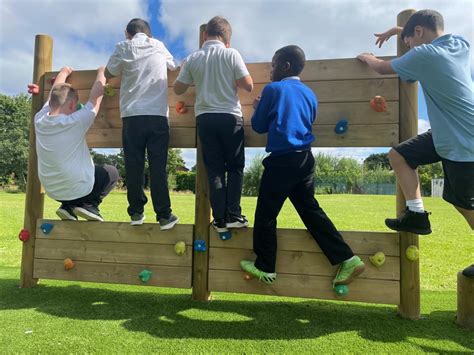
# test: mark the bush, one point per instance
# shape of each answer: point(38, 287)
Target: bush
point(185, 181)
point(252, 177)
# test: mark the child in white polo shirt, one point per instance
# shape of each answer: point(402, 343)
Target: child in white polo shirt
point(65, 167)
point(142, 61)
point(217, 71)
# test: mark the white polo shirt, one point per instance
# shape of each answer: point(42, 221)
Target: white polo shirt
point(143, 63)
point(214, 70)
point(65, 166)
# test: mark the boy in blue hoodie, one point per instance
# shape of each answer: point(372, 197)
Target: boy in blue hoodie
point(286, 111)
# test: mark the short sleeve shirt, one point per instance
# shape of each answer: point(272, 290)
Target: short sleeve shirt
point(65, 166)
point(142, 62)
point(443, 70)
point(213, 69)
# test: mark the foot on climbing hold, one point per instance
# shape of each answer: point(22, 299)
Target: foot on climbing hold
point(47, 227)
point(379, 104)
point(145, 276)
point(69, 264)
point(341, 126)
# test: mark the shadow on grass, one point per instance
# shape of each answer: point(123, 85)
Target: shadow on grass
point(177, 316)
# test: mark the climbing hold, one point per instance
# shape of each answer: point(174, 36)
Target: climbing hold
point(412, 253)
point(378, 104)
point(181, 108)
point(180, 248)
point(378, 259)
point(79, 106)
point(199, 245)
point(68, 264)
point(247, 276)
point(145, 276)
point(24, 235)
point(47, 227)
point(341, 290)
point(109, 90)
point(225, 235)
point(52, 80)
point(33, 89)
point(341, 126)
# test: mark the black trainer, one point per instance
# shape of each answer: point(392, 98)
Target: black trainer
point(469, 271)
point(89, 212)
point(237, 222)
point(413, 222)
point(220, 225)
point(66, 213)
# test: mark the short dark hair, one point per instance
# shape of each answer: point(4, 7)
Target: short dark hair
point(429, 19)
point(294, 55)
point(137, 25)
point(62, 94)
point(219, 27)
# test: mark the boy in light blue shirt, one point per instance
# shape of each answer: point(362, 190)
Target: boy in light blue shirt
point(441, 63)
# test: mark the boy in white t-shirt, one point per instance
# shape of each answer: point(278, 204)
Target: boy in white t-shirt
point(217, 71)
point(142, 61)
point(65, 167)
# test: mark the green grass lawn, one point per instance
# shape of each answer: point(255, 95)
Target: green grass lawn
point(63, 317)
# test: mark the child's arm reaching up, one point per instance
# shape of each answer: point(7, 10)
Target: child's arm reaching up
point(97, 91)
point(385, 36)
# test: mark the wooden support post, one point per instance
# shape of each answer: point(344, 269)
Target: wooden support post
point(34, 201)
point(409, 270)
point(202, 218)
point(465, 315)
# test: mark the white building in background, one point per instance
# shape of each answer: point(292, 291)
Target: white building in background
point(437, 187)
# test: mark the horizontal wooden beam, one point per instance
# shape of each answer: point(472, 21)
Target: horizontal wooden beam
point(326, 69)
point(301, 263)
point(164, 276)
point(361, 290)
point(364, 243)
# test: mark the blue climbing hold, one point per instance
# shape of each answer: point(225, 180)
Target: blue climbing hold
point(199, 245)
point(225, 235)
point(46, 227)
point(341, 126)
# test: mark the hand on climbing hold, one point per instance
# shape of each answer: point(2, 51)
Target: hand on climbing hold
point(33, 89)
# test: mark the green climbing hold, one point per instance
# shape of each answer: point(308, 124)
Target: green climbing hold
point(341, 290)
point(145, 276)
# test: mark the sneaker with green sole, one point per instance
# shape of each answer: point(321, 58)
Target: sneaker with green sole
point(348, 271)
point(249, 266)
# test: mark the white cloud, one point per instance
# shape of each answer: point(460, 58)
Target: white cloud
point(84, 33)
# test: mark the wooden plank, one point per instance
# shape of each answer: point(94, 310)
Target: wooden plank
point(121, 232)
point(465, 310)
point(361, 290)
point(383, 135)
point(34, 201)
point(326, 69)
point(164, 276)
point(302, 263)
point(362, 243)
point(326, 91)
point(112, 252)
point(180, 137)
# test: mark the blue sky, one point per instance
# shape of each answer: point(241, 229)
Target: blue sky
point(85, 32)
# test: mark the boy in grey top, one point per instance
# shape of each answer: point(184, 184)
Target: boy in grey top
point(217, 71)
point(142, 61)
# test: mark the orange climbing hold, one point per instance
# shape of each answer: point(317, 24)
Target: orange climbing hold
point(69, 264)
point(379, 104)
point(180, 107)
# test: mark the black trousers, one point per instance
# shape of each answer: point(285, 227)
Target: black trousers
point(222, 140)
point(291, 175)
point(150, 134)
point(105, 178)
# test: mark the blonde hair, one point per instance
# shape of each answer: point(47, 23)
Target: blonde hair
point(62, 94)
point(219, 27)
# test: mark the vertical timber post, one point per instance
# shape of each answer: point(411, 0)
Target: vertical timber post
point(201, 219)
point(34, 201)
point(409, 270)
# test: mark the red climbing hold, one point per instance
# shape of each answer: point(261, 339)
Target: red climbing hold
point(379, 104)
point(181, 108)
point(24, 235)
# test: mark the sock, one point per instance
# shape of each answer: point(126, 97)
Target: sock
point(416, 205)
point(350, 259)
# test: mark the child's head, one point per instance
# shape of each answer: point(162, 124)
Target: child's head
point(422, 28)
point(287, 61)
point(218, 27)
point(63, 98)
point(137, 25)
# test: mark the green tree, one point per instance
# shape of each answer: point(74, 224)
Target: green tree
point(252, 176)
point(375, 160)
point(428, 172)
point(15, 113)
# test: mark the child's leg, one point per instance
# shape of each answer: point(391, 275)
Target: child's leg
point(208, 129)
point(134, 133)
point(315, 219)
point(157, 148)
point(233, 144)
